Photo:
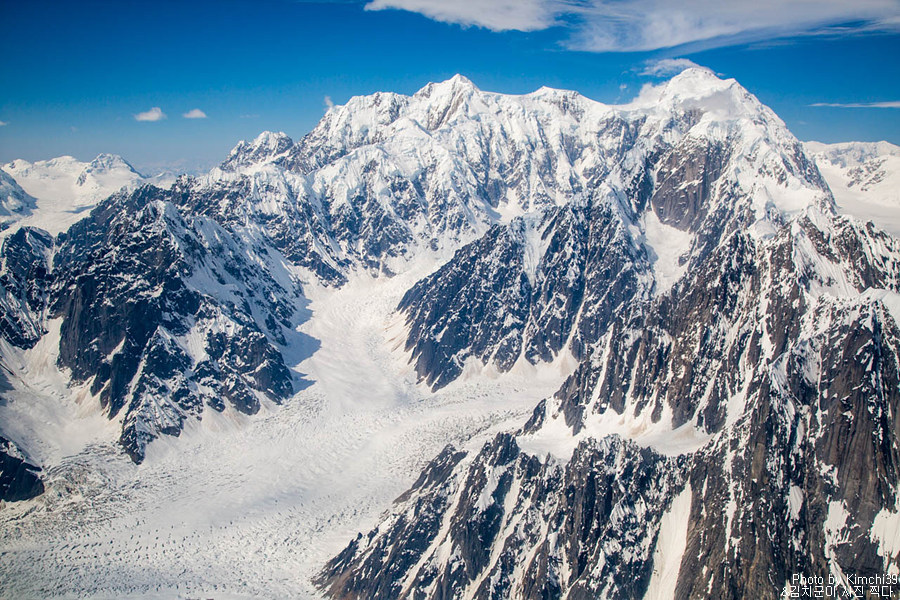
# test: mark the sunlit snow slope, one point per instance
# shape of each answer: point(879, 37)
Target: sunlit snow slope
point(66, 188)
point(865, 179)
point(250, 507)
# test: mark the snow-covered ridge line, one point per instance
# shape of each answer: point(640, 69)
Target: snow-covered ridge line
point(65, 189)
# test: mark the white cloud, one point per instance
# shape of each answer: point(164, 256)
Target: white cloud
point(194, 113)
point(3, 123)
point(496, 15)
point(154, 114)
point(889, 104)
point(653, 24)
point(328, 103)
point(667, 67)
point(634, 25)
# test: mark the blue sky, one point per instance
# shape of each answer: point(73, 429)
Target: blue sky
point(74, 75)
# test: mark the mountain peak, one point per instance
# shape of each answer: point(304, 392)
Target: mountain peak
point(107, 166)
point(696, 83)
point(265, 148)
point(453, 86)
point(108, 162)
point(700, 89)
point(460, 79)
point(271, 139)
point(699, 74)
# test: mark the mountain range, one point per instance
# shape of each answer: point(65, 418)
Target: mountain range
point(711, 305)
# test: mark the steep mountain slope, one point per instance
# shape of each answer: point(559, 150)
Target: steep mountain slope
point(865, 179)
point(15, 202)
point(737, 427)
point(524, 291)
point(24, 282)
point(167, 315)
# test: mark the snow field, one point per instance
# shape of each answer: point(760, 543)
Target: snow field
point(249, 507)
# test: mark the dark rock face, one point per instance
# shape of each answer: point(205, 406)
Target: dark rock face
point(516, 526)
point(529, 289)
point(166, 314)
point(488, 275)
point(18, 478)
point(24, 283)
point(685, 182)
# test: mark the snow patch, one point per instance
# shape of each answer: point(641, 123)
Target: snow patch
point(669, 244)
point(555, 438)
point(670, 545)
point(885, 533)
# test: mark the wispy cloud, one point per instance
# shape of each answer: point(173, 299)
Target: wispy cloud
point(3, 123)
point(194, 113)
point(654, 24)
point(154, 114)
point(635, 25)
point(329, 104)
point(667, 67)
point(496, 15)
point(888, 104)
point(249, 116)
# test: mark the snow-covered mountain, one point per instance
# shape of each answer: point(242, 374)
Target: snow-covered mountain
point(723, 344)
point(65, 188)
point(865, 179)
point(167, 315)
point(702, 445)
point(655, 202)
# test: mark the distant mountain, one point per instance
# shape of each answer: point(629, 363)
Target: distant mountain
point(65, 188)
point(865, 179)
